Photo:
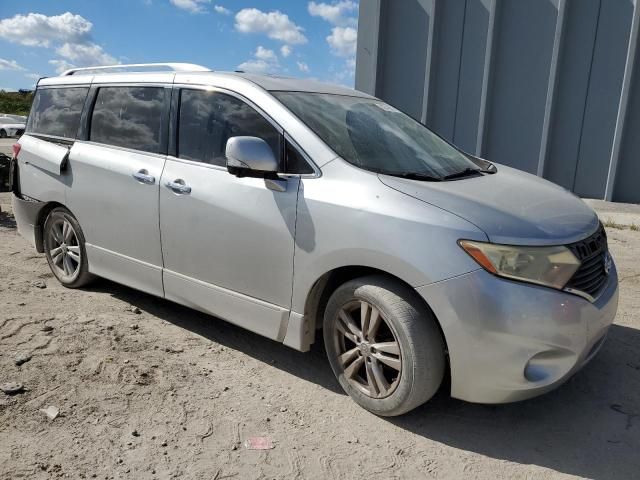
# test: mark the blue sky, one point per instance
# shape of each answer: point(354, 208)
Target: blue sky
point(290, 37)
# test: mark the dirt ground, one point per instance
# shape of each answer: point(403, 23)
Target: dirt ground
point(171, 393)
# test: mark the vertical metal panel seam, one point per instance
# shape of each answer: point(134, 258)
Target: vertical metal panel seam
point(488, 64)
point(376, 67)
point(624, 103)
point(455, 112)
point(428, 63)
point(586, 97)
point(372, 73)
point(551, 86)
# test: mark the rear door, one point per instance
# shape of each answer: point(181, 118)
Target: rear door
point(227, 242)
point(115, 172)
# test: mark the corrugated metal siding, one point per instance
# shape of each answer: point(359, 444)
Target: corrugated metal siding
point(548, 86)
point(405, 23)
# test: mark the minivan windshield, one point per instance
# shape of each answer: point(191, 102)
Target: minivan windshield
point(375, 136)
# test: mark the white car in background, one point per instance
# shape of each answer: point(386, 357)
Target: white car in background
point(12, 125)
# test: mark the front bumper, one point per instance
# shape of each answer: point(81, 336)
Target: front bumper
point(510, 341)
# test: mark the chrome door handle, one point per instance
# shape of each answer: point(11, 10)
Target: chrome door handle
point(144, 177)
point(178, 186)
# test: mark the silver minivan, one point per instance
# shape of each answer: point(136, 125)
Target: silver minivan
point(289, 206)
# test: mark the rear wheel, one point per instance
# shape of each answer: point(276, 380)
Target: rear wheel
point(65, 249)
point(3, 133)
point(384, 346)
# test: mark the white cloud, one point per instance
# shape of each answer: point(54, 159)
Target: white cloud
point(303, 67)
point(61, 65)
point(342, 75)
point(265, 54)
point(191, 6)
point(9, 65)
point(276, 25)
point(263, 61)
point(84, 55)
point(335, 13)
point(69, 34)
point(344, 34)
point(343, 41)
point(34, 77)
point(285, 51)
point(81, 55)
point(351, 65)
point(37, 30)
point(257, 66)
point(221, 10)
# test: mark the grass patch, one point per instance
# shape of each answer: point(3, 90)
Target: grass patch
point(610, 223)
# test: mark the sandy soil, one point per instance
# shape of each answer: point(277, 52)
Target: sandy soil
point(171, 393)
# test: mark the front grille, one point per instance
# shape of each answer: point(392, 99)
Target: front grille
point(592, 252)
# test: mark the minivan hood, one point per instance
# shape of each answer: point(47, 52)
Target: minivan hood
point(510, 206)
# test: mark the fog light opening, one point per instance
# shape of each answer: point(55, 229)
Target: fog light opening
point(535, 373)
point(549, 365)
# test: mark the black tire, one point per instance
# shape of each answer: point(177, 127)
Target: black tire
point(415, 331)
point(81, 275)
point(3, 134)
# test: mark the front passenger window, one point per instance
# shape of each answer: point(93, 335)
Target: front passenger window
point(207, 120)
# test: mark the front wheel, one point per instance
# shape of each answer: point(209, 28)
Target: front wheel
point(384, 345)
point(65, 250)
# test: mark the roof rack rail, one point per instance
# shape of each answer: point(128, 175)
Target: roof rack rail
point(135, 67)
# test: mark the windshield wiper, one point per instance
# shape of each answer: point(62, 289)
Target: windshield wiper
point(467, 172)
point(417, 176)
point(408, 175)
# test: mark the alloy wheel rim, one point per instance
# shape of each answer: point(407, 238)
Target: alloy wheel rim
point(368, 351)
point(64, 249)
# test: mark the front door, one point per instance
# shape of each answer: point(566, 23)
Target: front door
point(227, 242)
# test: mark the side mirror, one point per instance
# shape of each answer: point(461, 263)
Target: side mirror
point(250, 157)
point(5, 173)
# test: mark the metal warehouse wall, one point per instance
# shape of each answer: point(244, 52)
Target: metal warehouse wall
point(548, 86)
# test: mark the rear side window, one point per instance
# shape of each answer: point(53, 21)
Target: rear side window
point(56, 111)
point(129, 117)
point(208, 119)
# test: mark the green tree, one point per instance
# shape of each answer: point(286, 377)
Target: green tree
point(16, 103)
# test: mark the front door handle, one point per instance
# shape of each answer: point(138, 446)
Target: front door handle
point(178, 186)
point(143, 177)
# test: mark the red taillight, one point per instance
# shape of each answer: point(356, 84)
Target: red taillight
point(16, 150)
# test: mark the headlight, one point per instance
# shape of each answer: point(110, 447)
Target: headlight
point(550, 266)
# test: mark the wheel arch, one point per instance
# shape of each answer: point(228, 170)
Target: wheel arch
point(323, 287)
point(39, 223)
